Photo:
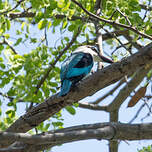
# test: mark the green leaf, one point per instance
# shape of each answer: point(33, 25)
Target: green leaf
point(65, 23)
point(36, 3)
point(57, 69)
point(70, 109)
point(146, 149)
point(75, 105)
point(18, 41)
point(72, 27)
point(1, 4)
point(10, 113)
point(22, 26)
point(60, 3)
point(57, 124)
point(33, 40)
point(49, 24)
point(56, 22)
point(149, 29)
point(53, 90)
point(7, 36)
point(42, 24)
point(8, 24)
point(2, 65)
point(47, 126)
point(1, 47)
point(53, 84)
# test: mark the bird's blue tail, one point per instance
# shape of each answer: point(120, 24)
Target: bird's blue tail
point(66, 85)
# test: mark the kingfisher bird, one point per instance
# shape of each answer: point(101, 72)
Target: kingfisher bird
point(78, 65)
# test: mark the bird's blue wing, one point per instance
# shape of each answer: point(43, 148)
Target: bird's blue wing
point(68, 64)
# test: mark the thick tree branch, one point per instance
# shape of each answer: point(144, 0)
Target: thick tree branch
point(114, 131)
point(87, 87)
point(13, 149)
point(31, 15)
point(113, 144)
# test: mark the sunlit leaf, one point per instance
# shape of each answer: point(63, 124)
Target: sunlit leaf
point(70, 109)
point(42, 24)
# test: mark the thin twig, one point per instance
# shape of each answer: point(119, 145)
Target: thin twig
point(134, 43)
point(145, 7)
point(118, 47)
point(6, 96)
point(45, 34)
point(126, 18)
point(7, 43)
point(110, 92)
point(117, 39)
point(91, 106)
point(137, 113)
point(18, 3)
point(146, 10)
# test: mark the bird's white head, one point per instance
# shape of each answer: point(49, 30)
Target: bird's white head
point(89, 49)
point(93, 50)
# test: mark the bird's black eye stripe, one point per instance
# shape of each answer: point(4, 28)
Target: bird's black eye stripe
point(93, 48)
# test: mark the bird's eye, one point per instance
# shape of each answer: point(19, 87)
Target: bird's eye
point(94, 49)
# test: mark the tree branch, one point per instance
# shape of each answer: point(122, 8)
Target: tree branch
point(59, 16)
point(113, 22)
point(12, 149)
point(31, 15)
point(99, 39)
point(18, 3)
point(110, 92)
point(97, 81)
point(91, 106)
point(128, 88)
point(145, 7)
point(7, 43)
point(113, 131)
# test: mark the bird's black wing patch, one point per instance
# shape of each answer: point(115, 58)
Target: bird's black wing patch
point(76, 79)
point(85, 61)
